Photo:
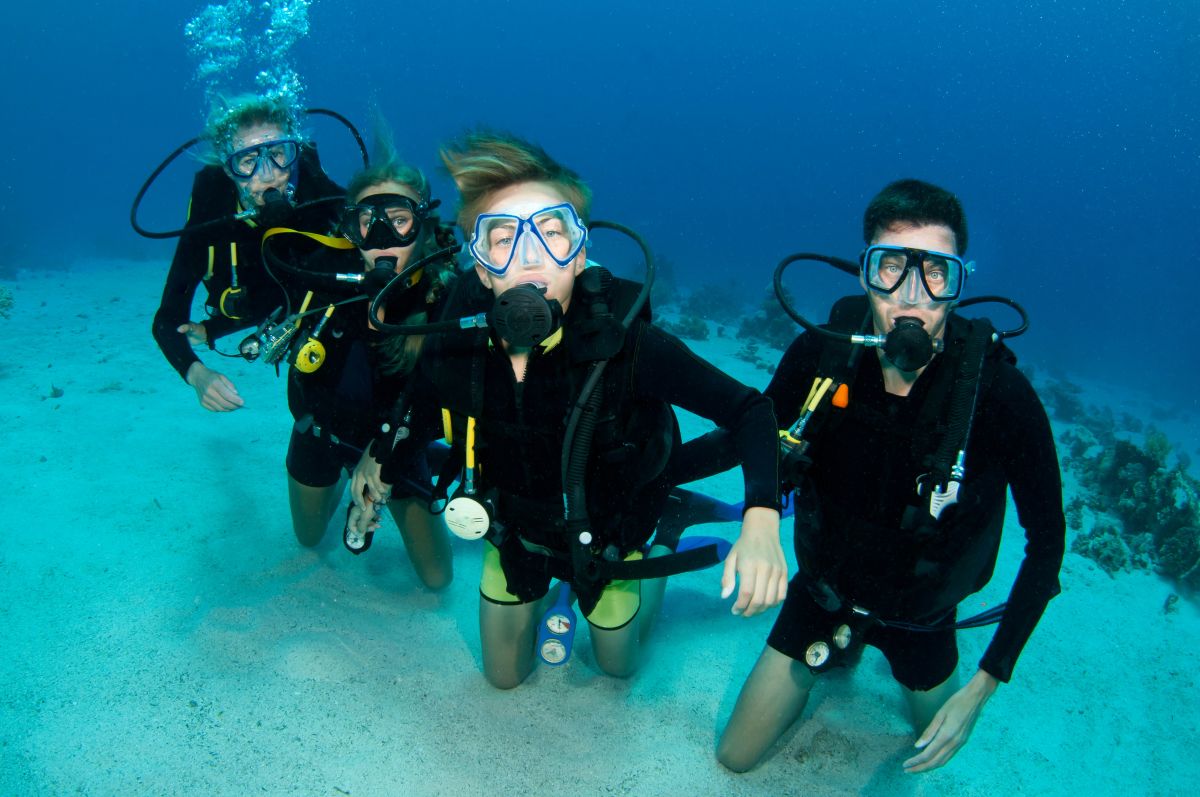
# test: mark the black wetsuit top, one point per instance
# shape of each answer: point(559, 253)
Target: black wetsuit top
point(349, 395)
point(864, 475)
point(521, 425)
point(214, 195)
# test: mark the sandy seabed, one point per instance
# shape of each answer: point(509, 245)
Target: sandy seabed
point(164, 634)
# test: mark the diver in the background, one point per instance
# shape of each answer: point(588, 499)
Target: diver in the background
point(556, 401)
point(261, 167)
point(901, 461)
point(343, 375)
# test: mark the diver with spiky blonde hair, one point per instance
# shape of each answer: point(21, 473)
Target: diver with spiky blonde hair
point(577, 499)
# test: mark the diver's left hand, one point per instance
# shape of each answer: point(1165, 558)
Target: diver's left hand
point(952, 725)
point(756, 564)
point(197, 335)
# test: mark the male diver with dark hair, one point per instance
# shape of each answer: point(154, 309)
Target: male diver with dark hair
point(261, 169)
point(900, 460)
point(560, 419)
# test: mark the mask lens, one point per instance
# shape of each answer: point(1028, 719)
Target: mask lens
point(943, 275)
point(888, 269)
point(556, 230)
point(494, 240)
point(280, 154)
point(397, 216)
point(400, 218)
point(561, 232)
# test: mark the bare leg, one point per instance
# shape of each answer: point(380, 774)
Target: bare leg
point(312, 507)
point(923, 705)
point(426, 540)
point(771, 700)
point(618, 651)
point(507, 633)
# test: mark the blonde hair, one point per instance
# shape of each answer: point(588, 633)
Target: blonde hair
point(231, 114)
point(482, 163)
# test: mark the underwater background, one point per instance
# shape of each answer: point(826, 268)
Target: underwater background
point(728, 134)
point(165, 635)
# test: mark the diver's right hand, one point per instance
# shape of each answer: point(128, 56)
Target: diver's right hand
point(366, 487)
point(215, 391)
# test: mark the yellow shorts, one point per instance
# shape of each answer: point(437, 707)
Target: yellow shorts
point(618, 604)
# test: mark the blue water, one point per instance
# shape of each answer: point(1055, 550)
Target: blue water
point(729, 134)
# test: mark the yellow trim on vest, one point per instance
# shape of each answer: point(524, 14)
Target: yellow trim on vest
point(470, 454)
point(333, 242)
point(552, 341)
point(447, 426)
point(212, 256)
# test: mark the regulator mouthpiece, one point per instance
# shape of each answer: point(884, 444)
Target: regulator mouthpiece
point(909, 347)
point(524, 317)
point(380, 275)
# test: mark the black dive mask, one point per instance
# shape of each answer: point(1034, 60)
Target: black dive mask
point(908, 346)
point(383, 221)
point(524, 317)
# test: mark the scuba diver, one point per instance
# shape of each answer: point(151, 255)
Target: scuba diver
point(341, 369)
point(560, 420)
point(900, 461)
point(261, 173)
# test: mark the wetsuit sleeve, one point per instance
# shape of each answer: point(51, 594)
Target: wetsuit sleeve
point(665, 369)
point(187, 270)
point(716, 451)
point(1031, 466)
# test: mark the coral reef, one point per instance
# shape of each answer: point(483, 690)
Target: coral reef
point(749, 353)
point(714, 303)
point(1062, 399)
point(6, 302)
point(770, 324)
point(1154, 505)
point(1104, 546)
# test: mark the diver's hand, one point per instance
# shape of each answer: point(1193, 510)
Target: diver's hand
point(366, 487)
point(952, 725)
point(216, 393)
point(197, 335)
point(360, 524)
point(756, 562)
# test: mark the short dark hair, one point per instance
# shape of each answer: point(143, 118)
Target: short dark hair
point(915, 202)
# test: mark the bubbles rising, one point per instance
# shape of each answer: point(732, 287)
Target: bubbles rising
point(242, 41)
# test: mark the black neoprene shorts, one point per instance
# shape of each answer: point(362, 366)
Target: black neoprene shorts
point(920, 660)
point(319, 462)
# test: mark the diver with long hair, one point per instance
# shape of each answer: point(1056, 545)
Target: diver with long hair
point(343, 375)
point(260, 171)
